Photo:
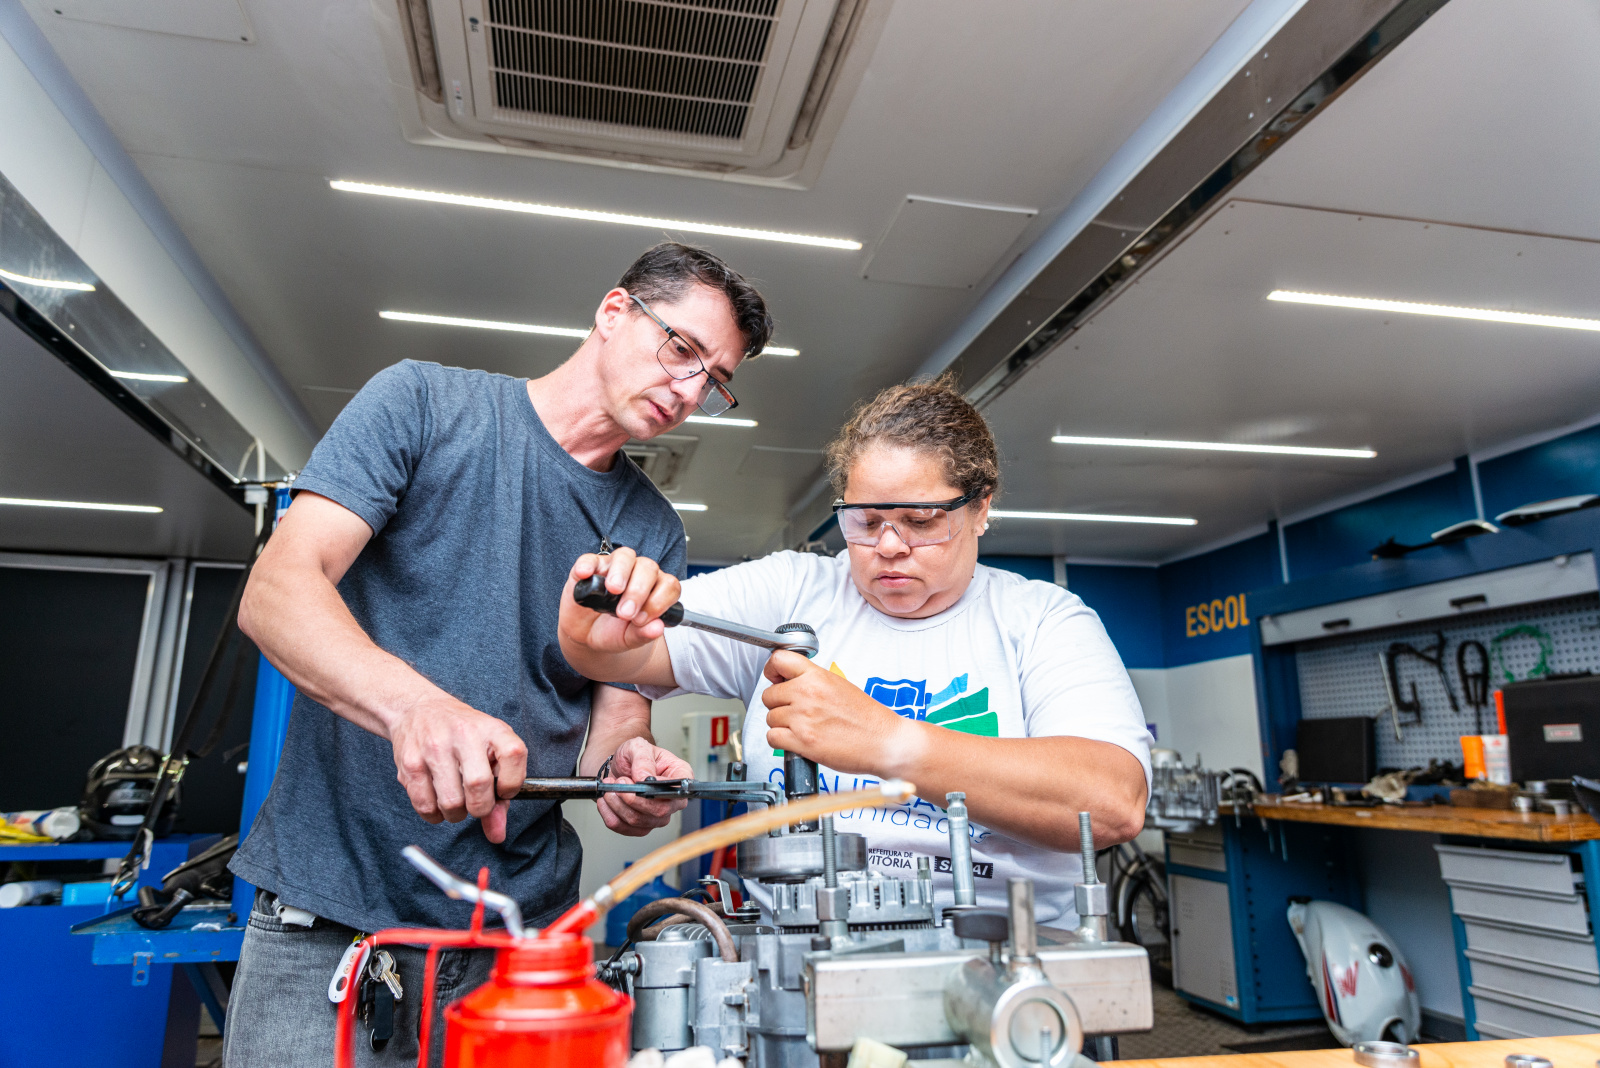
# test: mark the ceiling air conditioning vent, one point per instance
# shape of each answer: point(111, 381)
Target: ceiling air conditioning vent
point(744, 89)
point(664, 458)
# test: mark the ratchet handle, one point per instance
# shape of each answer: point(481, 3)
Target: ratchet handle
point(592, 594)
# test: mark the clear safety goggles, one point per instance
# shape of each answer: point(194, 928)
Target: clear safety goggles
point(914, 523)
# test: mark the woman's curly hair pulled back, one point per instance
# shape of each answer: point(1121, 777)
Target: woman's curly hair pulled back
point(930, 416)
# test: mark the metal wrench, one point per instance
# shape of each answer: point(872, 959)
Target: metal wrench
point(800, 773)
point(592, 594)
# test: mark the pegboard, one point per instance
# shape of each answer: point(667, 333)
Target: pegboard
point(1343, 677)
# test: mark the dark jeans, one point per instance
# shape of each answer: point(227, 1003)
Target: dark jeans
point(279, 1015)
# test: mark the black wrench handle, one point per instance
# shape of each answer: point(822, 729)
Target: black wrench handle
point(592, 594)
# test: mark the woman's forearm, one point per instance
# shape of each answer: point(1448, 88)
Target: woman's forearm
point(1031, 789)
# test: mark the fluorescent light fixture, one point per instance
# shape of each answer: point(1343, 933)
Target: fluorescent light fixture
point(483, 324)
point(525, 328)
point(720, 420)
point(1215, 446)
point(47, 283)
point(26, 502)
point(587, 215)
point(688, 507)
point(139, 376)
point(1447, 311)
point(1088, 517)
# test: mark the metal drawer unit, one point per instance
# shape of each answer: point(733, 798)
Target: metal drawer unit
point(1525, 944)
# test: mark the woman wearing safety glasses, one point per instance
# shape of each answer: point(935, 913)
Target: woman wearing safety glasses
point(932, 667)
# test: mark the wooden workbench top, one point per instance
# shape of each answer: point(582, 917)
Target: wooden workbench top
point(1578, 1051)
point(1440, 819)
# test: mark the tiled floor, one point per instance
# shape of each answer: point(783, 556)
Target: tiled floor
point(1182, 1031)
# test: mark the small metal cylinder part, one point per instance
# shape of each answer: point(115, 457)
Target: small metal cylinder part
point(1091, 875)
point(830, 854)
point(737, 771)
point(966, 890)
point(1386, 1055)
point(799, 780)
point(1091, 900)
point(833, 912)
point(1522, 804)
point(1559, 806)
point(1526, 1060)
point(794, 858)
point(1024, 935)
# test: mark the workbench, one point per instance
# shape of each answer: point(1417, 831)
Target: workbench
point(1520, 906)
point(1439, 819)
point(1577, 1051)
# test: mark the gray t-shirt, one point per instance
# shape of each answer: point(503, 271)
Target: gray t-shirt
point(477, 515)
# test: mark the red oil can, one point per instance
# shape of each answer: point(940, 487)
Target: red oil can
point(541, 1006)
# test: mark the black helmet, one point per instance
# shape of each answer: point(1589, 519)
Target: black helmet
point(118, 793)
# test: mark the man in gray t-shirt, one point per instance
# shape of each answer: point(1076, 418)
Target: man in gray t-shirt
point(411, 595)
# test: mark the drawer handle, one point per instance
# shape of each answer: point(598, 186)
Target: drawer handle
point(1471, 599)
point(1335, 624)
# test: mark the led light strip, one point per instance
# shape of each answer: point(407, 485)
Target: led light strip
point(586, 215)
point(720, 420)
point(47, 283)
point(26, 502)
point(688, 507)
point(140, 376)
point(525, 328)
point(1488, 315)
point(1215, 446)
point(482, 324)
point(1089, 517)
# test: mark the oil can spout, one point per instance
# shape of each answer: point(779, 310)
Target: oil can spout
point(460, 890)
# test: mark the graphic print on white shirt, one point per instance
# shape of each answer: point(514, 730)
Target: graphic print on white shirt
point(1013, 658)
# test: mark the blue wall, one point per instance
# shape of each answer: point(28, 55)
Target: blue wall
point(1128, 601)
point(1204, 607)
point(1560, 468)
point(1154, 614)
point(1347, 535)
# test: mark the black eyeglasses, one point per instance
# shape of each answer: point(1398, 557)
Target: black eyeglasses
point(680, 359)
point(914, 523)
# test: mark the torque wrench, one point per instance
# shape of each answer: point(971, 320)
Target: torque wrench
point(592, 594)
point(800, 774)
point(584, 789)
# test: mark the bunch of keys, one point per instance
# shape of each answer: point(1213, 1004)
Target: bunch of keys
point(380, 989)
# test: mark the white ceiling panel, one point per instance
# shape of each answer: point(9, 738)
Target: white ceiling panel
point(1195, 351)
point(1016, 104)
point(1488, 115)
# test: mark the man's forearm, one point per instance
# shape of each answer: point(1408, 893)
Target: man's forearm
point(298, 620)
point(1031, 789)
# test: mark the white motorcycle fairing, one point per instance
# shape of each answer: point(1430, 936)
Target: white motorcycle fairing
point(1363, 984)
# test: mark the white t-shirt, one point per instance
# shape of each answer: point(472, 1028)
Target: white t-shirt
point(1013, 658)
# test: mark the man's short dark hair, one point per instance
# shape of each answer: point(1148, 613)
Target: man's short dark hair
point(665, 273)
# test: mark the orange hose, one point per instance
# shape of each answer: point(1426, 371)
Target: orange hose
point(717, 835)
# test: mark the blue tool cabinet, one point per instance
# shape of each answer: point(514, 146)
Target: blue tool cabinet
point(1231, 885)
point(65, 1011)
